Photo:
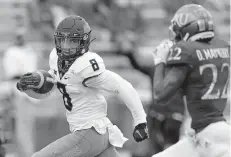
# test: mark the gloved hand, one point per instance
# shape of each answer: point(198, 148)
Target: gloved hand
point(29, 81)
point(140, 132)
point(161, 52)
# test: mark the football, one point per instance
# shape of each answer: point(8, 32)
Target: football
point(47, 82)
point(47, 86)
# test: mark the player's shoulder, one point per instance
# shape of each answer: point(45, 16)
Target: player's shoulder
point(185, 46)
point(218, 42)
point(87, 60)
point(53, 57)
point(88, 64)
point(87, 57)
point(53, 54)
point(181, 53)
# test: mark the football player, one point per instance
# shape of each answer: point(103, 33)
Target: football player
point(81, 77)
point(199, 63)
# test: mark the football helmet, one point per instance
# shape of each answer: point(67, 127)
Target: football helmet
point(191, 22)
point(72, 37)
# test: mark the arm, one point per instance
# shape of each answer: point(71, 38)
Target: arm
point(37, 84)
point(178, 58)
point(141, 67)
point(166, 85)
point(140, 60)
point(111, 82)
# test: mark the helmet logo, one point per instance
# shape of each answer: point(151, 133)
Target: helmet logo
point(181, 19)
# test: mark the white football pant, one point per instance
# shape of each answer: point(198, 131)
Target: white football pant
point(213, 141)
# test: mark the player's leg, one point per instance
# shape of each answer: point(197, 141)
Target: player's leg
point(183, 148)
point(170, 129)
point(156, 139)
point(80, 143)
point(214, 140)
point(110, 151)
point(163, 133)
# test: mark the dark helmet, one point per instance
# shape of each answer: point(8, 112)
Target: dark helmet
point(72, 37)
point(192, 22)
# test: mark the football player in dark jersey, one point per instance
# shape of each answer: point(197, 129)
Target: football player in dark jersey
point(199, 63)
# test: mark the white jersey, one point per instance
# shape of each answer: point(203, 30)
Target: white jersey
point(83, 104)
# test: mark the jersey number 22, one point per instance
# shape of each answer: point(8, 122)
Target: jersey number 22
point(221, 93)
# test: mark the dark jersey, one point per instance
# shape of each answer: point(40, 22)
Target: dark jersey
point(207, 81)
point(165, 108)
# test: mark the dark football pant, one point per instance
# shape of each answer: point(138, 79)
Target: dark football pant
point(163, 132)
point(83, 143)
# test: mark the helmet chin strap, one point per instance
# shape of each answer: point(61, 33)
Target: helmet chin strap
point(203, 35)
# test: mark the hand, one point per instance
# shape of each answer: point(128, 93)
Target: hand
point(161, 52)
point(29, 81)
point(140, 132)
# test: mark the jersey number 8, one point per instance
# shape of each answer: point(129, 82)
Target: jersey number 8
point(62, 87)
point(66, 97)
point(94, 64)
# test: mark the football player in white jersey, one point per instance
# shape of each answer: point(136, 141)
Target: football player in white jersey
point(81, 77)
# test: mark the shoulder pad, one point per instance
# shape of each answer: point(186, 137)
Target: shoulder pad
point(90, 64)
point(53, 59)
point(180, 54)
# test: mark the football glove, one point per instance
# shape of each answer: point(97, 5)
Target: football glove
point(29, 81)
point(161, 52)
point(140, 132)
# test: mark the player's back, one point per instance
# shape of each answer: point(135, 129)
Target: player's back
point(207, 82)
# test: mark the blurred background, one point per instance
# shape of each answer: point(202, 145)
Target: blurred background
point(126, 32)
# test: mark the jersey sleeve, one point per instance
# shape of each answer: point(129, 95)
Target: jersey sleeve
point(89, 65)
point(93, 70)
point(112, 82)
point(53, 59)
point(180, 54)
